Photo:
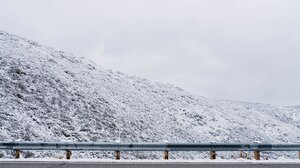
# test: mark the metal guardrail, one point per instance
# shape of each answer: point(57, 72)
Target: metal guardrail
point(166, 147)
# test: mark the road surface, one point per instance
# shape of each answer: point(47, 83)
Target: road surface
point(147, 164)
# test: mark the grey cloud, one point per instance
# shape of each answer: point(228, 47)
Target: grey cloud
point(233, 49)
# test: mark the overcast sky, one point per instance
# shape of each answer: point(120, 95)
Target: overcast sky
point(245, 50)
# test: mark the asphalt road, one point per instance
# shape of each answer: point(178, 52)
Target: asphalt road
point(139, 164)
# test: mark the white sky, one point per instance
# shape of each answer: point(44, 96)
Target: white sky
point(230, 49)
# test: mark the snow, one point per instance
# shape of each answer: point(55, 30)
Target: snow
point(145, 161)
point(50, 95)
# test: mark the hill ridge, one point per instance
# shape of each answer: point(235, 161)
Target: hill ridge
point(50, 95)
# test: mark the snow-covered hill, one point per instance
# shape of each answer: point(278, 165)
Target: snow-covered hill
point(296, 106)
point(50, 95)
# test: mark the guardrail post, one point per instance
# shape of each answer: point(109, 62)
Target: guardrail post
point(299, 154)
point(118, 155)
point(257, 155)
point(18, 153)
point(166, 155)
point(256, 152)
point(68, 154)
point(212, 154)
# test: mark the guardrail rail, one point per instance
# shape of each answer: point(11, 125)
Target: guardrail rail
point(18, 147)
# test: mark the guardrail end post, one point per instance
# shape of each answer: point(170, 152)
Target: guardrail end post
point(118, 155)
point(166, 155)
point(68, 154)
point(212, 155)
point(18, 153)
point(257, 155)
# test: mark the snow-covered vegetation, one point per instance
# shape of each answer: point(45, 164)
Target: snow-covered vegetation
point(50, 95)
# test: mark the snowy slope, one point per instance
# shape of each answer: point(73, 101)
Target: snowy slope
point(295, 107)
point(50, 95)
